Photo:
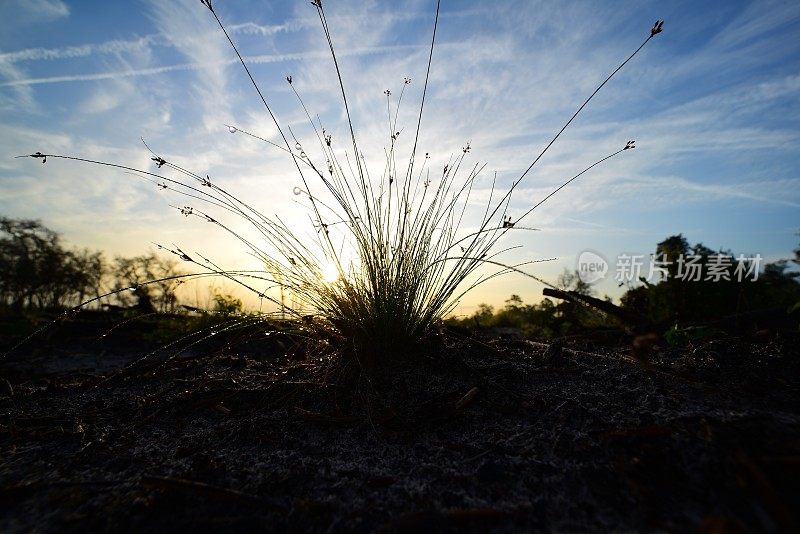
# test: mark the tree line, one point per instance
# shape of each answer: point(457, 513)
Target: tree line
point(669, 299)
point(38, 271)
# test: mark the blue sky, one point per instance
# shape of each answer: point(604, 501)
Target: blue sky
point(712, 103)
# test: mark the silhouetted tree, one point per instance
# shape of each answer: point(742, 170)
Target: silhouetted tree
point(682, 298)
point(147, 282)
point(671, 249)
point(574, 315)
point(483, 316)
point(225, 304)
point(36, 271)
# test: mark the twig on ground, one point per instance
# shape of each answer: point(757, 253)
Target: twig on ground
point(201, 488)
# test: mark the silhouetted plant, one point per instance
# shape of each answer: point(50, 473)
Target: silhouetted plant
point(412, 261)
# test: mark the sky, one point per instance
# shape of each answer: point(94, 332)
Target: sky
point(712, 103)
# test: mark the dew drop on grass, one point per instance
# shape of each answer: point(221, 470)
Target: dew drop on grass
point(297, 191)
point(233, 129)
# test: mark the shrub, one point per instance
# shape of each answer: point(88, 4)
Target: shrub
point(227, 304)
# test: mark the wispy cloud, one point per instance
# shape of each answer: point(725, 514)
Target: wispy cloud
point(204, 66)
point(768, 17)
point(22, 97)
point(116, 46)
point(32, 11)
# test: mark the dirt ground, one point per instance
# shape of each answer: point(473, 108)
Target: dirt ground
point(484, 433)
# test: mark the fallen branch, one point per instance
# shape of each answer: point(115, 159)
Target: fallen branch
point(604, 306)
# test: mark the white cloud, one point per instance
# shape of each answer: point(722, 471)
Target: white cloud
point(755, 21)
point(18, 16)
point(115, 46)
point(21, 97)
point(193, 32)
point(29, 11)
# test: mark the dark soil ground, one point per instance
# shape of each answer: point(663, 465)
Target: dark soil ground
point(486, 433)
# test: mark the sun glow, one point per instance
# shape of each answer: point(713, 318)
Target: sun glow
point(330, 273)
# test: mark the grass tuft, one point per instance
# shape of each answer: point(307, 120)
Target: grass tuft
point(389, 258)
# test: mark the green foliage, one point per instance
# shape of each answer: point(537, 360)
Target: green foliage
point(544, 320)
